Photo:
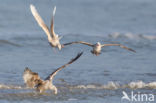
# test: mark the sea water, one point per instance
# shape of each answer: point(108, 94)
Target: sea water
point(91, 79)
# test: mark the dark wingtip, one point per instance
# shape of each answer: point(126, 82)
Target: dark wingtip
point(132, 50)
point(70, 43)
point(74, 59)
point(122, 46)
point(66, 44)
point(78, 55)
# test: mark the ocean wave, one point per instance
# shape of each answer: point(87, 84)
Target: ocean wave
point(109, 86)
point(116, 85)
point(4, 86)
point(132, 36)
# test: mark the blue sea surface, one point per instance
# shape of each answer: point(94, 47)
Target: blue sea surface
point(91, 79)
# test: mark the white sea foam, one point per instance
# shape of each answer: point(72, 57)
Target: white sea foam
point(132, 36)
point(152, 85)
point(72, 99)
point(115, 85)
point(3, 86)
point(136, 85)
point(110, 86)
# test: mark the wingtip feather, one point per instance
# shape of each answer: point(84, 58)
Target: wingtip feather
point(54, 11)
point(33, 9)
point(132, 50)
point(74, 59)
point(32, 6)
point(78, 55)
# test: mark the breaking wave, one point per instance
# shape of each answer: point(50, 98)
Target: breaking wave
point(115, 85)
point(3, 86)
point(109, 86)
point(132, 36)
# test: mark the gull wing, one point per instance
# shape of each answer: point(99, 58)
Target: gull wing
point(52, 23)
point(51, 76)
point(40, 21)
point(79, 42)
point(122, 46)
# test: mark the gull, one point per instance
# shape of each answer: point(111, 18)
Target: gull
point(98, 46)
point(53, 38)
point(33, 80)
point(30, 78)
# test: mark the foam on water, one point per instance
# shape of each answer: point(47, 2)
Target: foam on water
point(3, 86)
point(135, 29)
point(109, 86)
point(132, 36)
point(115, 85)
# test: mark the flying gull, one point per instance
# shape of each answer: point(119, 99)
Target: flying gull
point(53, 38)
point(98, 46)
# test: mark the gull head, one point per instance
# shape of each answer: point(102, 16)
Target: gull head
point(98, 44)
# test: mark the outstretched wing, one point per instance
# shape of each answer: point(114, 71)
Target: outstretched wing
point(52, 23)
point(79, 42)
point(40, 21)
point(122, 46)
point(51, 76)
